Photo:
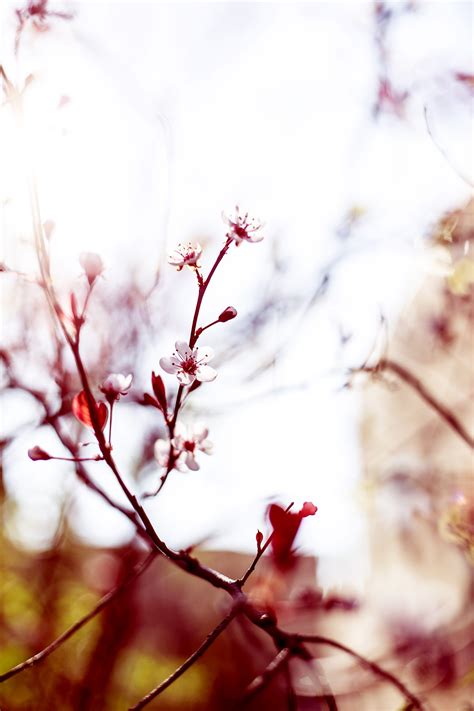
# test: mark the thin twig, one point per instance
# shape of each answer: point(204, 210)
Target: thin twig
point(105, 600)
point(374, 668)
point(262, 681)
point(415, 383)
point(444, 153)
point(259, 554)
point(212, 636)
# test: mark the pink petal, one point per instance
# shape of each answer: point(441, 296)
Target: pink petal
point(203, 354)
point(169, 365)
point(191, 462)
point(206, 374)
point(185, 378)
point(183, 349)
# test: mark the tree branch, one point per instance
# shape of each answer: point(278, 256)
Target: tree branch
point(210, 639)
point(372, 666)
point(415, 383)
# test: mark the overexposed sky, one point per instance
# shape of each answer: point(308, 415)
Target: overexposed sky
point(177, 111)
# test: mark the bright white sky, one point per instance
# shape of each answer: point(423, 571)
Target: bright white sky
point(180, 110)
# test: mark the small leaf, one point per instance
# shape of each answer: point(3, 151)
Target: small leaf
point(159, 390)
point(81, 410)
point(149, 400)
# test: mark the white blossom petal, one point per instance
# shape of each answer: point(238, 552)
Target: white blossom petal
point(186, 378)
point(206, 374)
point(169, 365)
point(203, 354)
point(183, 350)
point(191, 462)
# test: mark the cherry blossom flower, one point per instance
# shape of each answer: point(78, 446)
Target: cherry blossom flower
point(185, 444)
point(92, 265)
point(115, 385)
point(162, 455)
point(189, 440)
point(243, 229)
point(189, 365)
point(186, 256)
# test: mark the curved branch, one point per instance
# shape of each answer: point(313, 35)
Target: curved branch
point(415, 383)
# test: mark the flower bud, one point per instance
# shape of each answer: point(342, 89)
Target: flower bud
point(92, 265)
point(259, 539)
point(228, 314)
point(37, 454)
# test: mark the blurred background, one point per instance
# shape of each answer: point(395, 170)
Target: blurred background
point(347, 128)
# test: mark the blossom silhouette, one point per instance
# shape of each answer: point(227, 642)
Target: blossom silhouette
point(243, 229)
point(189, 365)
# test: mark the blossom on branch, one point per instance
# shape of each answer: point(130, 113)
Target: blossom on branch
point(185, 256)
point(190, 365)
point(162, 455)
point(189, 440)
point(115, 385)
point(92, 264)
point(243, 229)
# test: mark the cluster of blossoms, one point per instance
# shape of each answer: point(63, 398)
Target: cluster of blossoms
point(189, 363)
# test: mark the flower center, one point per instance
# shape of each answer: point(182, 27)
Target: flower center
point(189, 446)
point(189, 365)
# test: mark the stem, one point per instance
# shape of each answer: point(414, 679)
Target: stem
point(261, 682)
point(111, 403)
point(260, 552)
point(212, 636)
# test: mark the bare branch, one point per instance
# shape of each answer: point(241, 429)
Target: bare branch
point(210, 639)
point(106, 600)
point(415, 383)
point(262, 681)
point(372, 666)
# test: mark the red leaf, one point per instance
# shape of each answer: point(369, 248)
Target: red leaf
point(81, 410)
point(149, 400)
point(159, 390)
point(285, 527)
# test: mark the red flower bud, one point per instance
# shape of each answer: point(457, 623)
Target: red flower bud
point(308, 509)
point(259, 539)
point(228, 314)
point(37, 454)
